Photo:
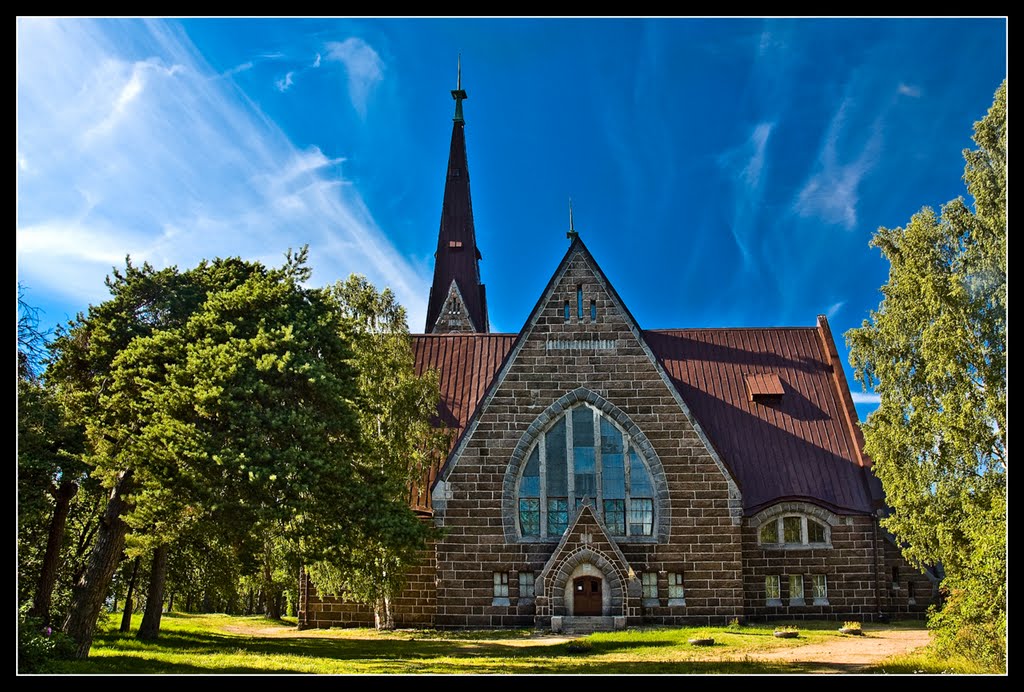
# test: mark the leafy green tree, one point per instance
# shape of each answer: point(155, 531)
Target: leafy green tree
point(935, 352)
point(49, 472)
point(228, 385)
point(398, 442)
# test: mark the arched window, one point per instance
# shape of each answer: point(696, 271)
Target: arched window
point(791, 530)
point(584, 457)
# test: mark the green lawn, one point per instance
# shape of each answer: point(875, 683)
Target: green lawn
point(197, 644)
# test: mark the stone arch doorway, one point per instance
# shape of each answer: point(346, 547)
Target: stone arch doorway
point(587, 595)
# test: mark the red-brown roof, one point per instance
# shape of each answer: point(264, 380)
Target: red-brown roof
point(466, 364)
point(800, 446)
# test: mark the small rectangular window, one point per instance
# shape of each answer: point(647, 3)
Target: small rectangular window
point(649, 580)
point(526, 585)
point(500, 589)
point(772, 592)
point(819, 589)
point(675, 587)
point(567, 311)
point(593, 311)
point(501, 584)
point(769, 532)
point(895, 578)
point(579, 302)
point(796, 589)
point(911, 600)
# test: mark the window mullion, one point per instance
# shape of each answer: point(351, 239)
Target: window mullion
point(543, 485)
point(599, 494)
point(570, 464)
point(625, 472)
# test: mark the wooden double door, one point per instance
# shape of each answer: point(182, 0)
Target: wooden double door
point(586, 596)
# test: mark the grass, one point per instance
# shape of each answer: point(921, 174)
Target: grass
point(212, 644)
point(928, 662)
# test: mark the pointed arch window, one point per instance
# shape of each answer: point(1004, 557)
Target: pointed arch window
point(585, 457)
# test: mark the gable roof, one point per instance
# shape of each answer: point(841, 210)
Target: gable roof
point(578, 248)
point(805, 445)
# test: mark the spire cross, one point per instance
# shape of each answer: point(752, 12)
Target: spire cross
point(572, 234)
point(459, 94)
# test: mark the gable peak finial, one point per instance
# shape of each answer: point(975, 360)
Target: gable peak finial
point(459, 94)
point(572, 234)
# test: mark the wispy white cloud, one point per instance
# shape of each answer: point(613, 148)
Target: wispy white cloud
point(831, 192)
point(239, 68)
point(363, 65)
point(834, 309)
point(909, 90)
point(284, 83)
point(865, 398)
point(179, 167)
point(316, 63)
point(748, 188)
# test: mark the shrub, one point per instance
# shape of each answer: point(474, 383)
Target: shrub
point(38, 646)
point(579, 646)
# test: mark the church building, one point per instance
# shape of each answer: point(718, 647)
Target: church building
point(603, 475)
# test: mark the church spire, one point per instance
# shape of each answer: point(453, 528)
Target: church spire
point(458, 302)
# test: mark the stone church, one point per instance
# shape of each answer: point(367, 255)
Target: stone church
point(602, 475)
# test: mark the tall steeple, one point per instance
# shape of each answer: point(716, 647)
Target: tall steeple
point(458, 302)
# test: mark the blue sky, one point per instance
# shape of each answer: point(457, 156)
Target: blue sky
point(724, 172)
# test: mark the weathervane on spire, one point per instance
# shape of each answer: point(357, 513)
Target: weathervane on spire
point(459, 94)
point(572, 234)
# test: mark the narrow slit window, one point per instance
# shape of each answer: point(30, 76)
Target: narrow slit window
point(500, 589)
point(675, 586)
point(567, 311)
point(772, 592)
point(593, 311)
point(649, 581)
point(579, 302)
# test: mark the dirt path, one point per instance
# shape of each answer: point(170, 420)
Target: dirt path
point(839, 655)
point(850, 654)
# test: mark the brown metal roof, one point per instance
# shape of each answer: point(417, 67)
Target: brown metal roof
point(466, 364)
point(799, 446)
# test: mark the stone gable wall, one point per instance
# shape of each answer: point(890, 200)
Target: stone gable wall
point(556, 358)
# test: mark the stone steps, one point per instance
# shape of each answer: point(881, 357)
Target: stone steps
point(581, 624)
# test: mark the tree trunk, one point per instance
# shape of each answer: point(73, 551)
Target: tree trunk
point(150, 627)
point(383, 615)
point(126, 617)
point(91, 589)
point(274, 605)
point(51, 561)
